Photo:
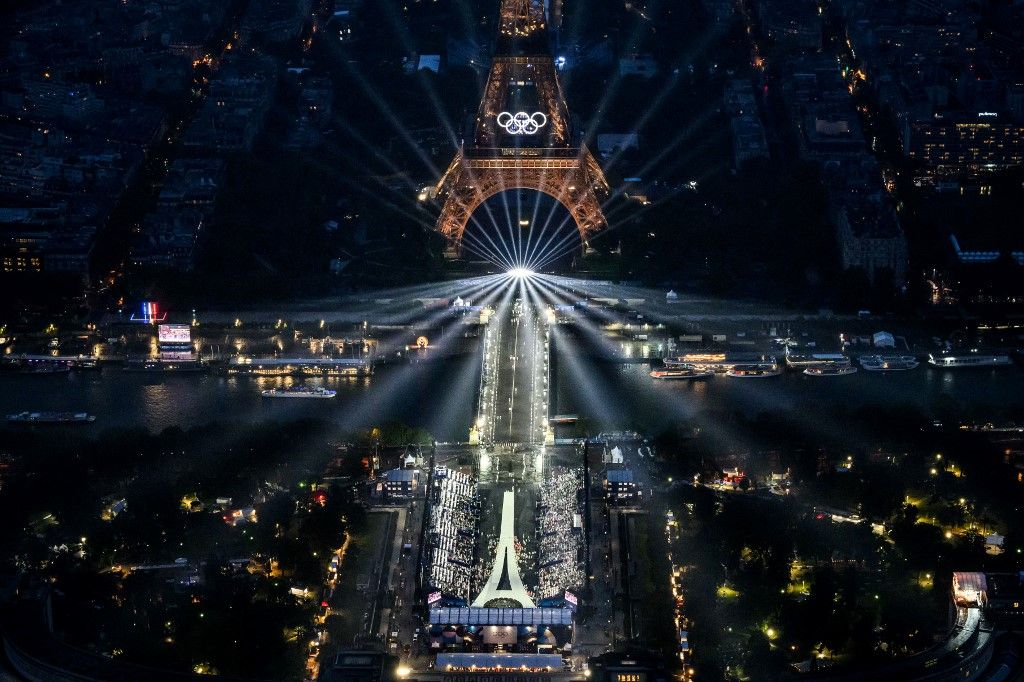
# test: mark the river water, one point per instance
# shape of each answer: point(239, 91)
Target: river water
point(440, 395)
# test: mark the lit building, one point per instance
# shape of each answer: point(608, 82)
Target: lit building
point(984, 142)
point(970, 589)
point(400, 484)
point(621, 488)
point(982, 256)
point(40, 240)
point(22, 250)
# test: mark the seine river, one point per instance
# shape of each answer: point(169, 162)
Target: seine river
point(440, 395)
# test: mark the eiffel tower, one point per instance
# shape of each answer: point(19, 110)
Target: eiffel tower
point(522, 137)
point(505, 587)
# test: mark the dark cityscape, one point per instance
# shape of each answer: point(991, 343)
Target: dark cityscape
point(511, 340)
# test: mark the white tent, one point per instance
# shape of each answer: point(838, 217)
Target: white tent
point(883, 340)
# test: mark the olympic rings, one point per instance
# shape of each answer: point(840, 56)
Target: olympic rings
point(521, 123)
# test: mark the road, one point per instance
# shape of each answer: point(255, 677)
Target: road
point(520, 376)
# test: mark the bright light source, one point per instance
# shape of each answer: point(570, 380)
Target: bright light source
point(404, 671)
point(520, 272)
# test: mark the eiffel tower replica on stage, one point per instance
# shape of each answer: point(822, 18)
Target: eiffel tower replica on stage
point(522, 137)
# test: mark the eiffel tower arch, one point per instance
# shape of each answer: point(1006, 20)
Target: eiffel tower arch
point(522, 137)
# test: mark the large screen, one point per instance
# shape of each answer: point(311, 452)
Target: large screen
point(174, 333)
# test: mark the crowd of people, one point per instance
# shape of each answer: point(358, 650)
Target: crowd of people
point(560, 538)
point(451, 531)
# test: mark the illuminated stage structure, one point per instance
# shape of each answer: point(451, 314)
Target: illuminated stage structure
point(505, 587)
point(522, 137)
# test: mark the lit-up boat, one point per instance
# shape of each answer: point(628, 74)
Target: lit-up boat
point(681, 374)
point(797, 360)
point(829, 370)
point(719, 362)
point(972, 358)
point(165, 366)
point(888, 363)
point(283, 371)
point(754, 371)
point(299, 392)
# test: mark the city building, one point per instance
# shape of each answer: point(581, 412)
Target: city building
point(977, 253)
point(192, 183)
point(949, 82)
point(819, 104)
point(748, 136)
point(42, 239)
point(358, 666)
point(628, 666)
point(829, 133)
point(1005, 598)
point(274, 21)
point(233, 112)
point(400, 484)
point(168, 240)
point(748, 140)
point(956, 144)
point(870, 236)
point(791, 25)
point(621, 488)
point(70, 251)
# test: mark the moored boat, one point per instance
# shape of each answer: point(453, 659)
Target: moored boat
point(798, 360)
point(168, 366)
point(681, 374)
point(972, 358)
point(45, 368)
point(754, 371)
point(51, 418)
point(718, 362)
point(299, 392)
point(888, 363)
point(829, 370)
